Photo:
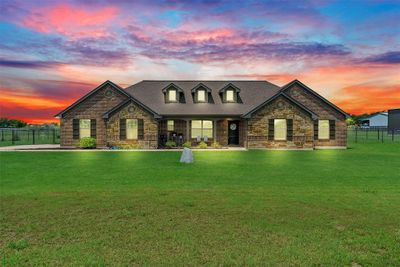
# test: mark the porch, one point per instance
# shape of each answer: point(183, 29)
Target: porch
point(228, 132)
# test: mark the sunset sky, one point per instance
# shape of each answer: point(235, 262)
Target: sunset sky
point(51, 53)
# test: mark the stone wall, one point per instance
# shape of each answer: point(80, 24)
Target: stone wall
point(133, 111)
point(324, 112)
point(92, 108)
point(280, 108)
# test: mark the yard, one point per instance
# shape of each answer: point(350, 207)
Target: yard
point(330, 207)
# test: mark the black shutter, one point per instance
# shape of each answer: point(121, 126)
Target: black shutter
point(316, 130)
point(140, 129)
point(332, 129)
point(93, 128)
point(122, 129)
point(75, 128)
point(271, 129)
point(289, 128)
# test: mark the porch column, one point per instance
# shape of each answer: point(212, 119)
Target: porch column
point(215, 130)
point(187, 130)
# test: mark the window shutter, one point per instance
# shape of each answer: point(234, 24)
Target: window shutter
point(271, 129)
point(93, 128)
point(140, 129)
point(122, 129)
point(316, 130)
point(289, 129)
point(75, 128)
point(332, 129)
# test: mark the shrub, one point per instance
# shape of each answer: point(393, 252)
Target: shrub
point(216, 145)
point(203, 145)
point(87, 142)
point(187, 144)
point(170, 144)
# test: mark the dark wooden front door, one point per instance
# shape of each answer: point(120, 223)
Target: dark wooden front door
point(233, 133)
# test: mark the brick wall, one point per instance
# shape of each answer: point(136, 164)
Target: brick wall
point(92, 108)
point(323, 111)
point(133, 111)
point(280, 108)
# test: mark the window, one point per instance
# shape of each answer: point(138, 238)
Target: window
point(280, 129)
point(84, 128)
point(202, 128)
point(172, 95)
point(131, 129)
point(170, 125)
point(323, 129)
point(230, 96)
point(201, 95)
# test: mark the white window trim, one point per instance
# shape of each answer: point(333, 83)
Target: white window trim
point(285, 132)
point(233, 95)
point(320, 137)
point(202, 129)
point(80, 129)
point(127, 130)
point(176, 95)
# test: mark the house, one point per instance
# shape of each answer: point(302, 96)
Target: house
point(394, 120)
point(251, 114)
point(379, 119)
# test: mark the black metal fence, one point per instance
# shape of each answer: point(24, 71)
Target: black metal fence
point(373, 134)
point(29, 136)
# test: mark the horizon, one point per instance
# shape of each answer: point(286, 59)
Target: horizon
point(55, 52)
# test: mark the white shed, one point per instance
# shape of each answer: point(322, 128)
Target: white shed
point(377, 120)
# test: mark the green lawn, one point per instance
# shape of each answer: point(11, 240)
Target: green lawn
point(329, 208)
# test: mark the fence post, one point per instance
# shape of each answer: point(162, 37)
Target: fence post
point(54, 136)
point(392, 135)
point(382, 135)
point(2, 135)
point(356, 134)
point(378, 134)
point(33, 136)
point(13, 137)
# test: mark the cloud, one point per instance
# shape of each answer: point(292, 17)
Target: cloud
point(28, 64)
point(392, 57)
point(366, 98)
point(71, 21)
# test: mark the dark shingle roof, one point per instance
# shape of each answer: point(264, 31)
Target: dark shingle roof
point(252, 94)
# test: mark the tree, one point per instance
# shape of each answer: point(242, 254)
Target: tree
point(10, 123)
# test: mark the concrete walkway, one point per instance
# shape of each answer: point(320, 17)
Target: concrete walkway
point(56, 148)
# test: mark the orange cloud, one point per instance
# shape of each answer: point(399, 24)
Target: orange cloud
point(71, 21)
point(358, 99)
point(31, 101)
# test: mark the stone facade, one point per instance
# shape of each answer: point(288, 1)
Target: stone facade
point(280, 108)
point(133, 111)
point(324, 112)
point(91, 108)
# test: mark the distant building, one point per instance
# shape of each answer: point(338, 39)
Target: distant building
point(379, 119)
point(394, 119)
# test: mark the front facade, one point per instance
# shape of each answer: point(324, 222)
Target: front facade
point(251, 114)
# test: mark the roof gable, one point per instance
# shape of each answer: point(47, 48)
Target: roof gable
point(308, 89)
point(125, 103)
point(101, 86)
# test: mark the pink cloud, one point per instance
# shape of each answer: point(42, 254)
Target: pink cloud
point(71, 21)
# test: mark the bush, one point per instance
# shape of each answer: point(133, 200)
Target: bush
point(203, 145)
point(170, 144)
point(187, 144)
point(216, 145)
point(87, 142)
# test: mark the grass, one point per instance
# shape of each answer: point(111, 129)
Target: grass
point(330, 208)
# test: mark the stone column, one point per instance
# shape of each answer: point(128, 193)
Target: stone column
point(187, 130)
point(215, 130)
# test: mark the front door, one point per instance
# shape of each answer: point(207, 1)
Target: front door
point(233, 133)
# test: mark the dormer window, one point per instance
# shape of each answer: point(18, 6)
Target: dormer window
point(230, 95)
point(201, 95)
point(172, 95)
